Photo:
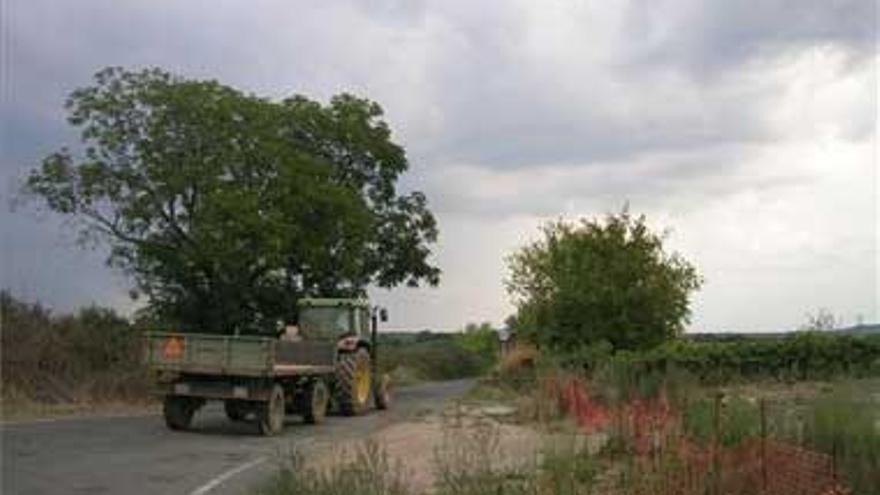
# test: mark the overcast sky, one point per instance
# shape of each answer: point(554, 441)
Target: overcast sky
point(750, 128)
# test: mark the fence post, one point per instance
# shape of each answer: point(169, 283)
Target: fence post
point(834, 456)
point(763, 445)
point(716, 441)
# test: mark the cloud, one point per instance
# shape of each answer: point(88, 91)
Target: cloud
point(546, 91)
point(746, 127)
point(706, 40)
point(566, 84)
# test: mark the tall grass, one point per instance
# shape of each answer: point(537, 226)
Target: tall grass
point(471, 461)
point(844, 424)
point(367, 472)
point(466, 461)
point(659, 413)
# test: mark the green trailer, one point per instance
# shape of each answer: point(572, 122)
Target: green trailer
point(328, 358)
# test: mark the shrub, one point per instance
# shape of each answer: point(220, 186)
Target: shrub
point(520, 360)
point(92, 355)
point(481, 340)
point(439, 358)
point(799, 356)
point(600, 279)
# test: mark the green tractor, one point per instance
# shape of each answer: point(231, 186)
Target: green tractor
point(329, 359)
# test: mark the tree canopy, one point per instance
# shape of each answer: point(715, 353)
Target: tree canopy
point(600, 280)
point(226, 207)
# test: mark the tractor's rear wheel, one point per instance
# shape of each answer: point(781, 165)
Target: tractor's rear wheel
point(179, 411)
point(270, 414)
point(315, 400)
point(353, 382)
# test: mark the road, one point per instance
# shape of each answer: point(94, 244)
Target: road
point(139, 456)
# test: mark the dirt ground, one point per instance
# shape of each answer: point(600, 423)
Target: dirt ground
point(459, 434)
point(414, 447)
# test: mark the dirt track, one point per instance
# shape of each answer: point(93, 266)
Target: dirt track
point(138, 455)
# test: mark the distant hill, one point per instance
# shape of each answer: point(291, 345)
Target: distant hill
point(861, 329)
point(402, 338)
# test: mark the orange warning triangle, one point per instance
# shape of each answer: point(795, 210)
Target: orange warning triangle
point(173, 348)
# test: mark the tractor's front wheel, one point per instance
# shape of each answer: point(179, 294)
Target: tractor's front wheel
point(353, 382)
point(270, 414)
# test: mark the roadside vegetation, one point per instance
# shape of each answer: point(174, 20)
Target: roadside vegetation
point(621, 431)
point(431, 356)
point(799, 356)
point(669, 432)
point(63, 362)
point(56, 363)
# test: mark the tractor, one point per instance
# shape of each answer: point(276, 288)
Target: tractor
point(327, 361)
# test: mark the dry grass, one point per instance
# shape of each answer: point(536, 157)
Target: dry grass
point(19, 410)
point(53, 365)
point(521, 359)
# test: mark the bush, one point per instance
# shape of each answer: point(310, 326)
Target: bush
point(440, 358)
point(605, 279)
point(481, 340)
point(92, 355)
point(799, 356)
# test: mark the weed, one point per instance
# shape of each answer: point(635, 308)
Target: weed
point(367, 472)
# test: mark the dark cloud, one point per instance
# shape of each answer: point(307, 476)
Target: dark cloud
point(705, 39)
point(41, 261)
point(676, 76)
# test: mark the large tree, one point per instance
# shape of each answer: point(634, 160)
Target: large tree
point(226, 207)
point(598, 280)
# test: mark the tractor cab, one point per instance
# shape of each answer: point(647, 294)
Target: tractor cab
point(334, 319)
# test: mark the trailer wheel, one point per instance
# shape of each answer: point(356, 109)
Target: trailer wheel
point(178, 411)
point(353, 387)
point(236, 410)
point(315, 403)
point(270, 414)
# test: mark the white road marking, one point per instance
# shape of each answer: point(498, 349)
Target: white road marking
point(202, 490)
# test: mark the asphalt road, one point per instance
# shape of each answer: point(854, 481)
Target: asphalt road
point(138, 455)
